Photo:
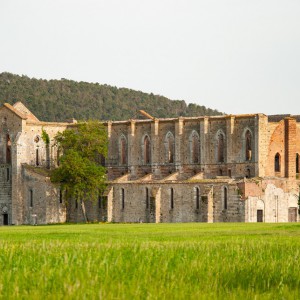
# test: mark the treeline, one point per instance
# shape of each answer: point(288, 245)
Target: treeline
point(58, 100)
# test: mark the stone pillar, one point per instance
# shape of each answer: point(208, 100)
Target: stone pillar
point(132, 149)
point(229, 136)
point(210, 206)
point(158, 208)
point(290, 147)
point(155, 147)
point(110, 205)
point(204, 144)
point(260, 155)
point(178, 141)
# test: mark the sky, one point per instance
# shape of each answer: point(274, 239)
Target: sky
point(235, 56)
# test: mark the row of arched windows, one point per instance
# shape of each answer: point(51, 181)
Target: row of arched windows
point(197, 197)
point(194, 146)
point(277, 163)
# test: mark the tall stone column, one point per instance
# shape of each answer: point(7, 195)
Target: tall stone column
point(290, 147)
point(229, 138)
point(155, 147)
point(132, 157)
point(178, 143)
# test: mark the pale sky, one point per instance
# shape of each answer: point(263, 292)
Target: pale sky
point(235, 56)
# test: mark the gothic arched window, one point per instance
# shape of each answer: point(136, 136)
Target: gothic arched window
point(147, 150)
point(8, 149)
point(195, 148)
point(221, 147)
point(248, 144)
point(170, 148)
point(277, 162)
point(123, 150)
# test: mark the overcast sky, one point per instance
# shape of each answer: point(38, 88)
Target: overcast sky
point(235, 56)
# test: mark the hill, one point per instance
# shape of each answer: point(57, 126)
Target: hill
point(58, 100)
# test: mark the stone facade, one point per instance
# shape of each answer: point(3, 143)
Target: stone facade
point(241, 168)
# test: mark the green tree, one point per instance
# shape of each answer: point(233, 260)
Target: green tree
point(80, 172)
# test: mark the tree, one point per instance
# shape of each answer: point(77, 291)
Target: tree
point(80, 172)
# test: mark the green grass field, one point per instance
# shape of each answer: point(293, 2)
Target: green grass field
point(150, 261)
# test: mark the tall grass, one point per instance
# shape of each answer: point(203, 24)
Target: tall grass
point(149, 261)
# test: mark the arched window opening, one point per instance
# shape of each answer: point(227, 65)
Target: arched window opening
point(123, 151)
point(248, 140)
point(197, 198)
point(60, 196)
point(195, 148)
point(147, 198)
point(170, 148)
point(220, 172)
point(147, 150)
point(37, 159)
point(221, 148)
point(8, 149)
point(225, 197)
point(31, 198)
point(277, 162)
point(123, 198)
point(297, 163)
point(172, 198)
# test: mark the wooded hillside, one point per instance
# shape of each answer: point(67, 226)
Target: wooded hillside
point(58, 100)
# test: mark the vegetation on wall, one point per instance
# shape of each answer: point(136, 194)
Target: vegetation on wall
point(80, 172)
point(58, 100)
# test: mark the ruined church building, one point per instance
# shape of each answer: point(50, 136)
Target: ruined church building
point(230, 168)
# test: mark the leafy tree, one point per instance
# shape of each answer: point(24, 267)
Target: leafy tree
point(80, 172)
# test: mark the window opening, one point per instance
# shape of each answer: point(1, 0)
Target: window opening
point(197, 198)
point(147, 198)
point(277, 162)
point(221, 148)
point(31, 198)
point(123, 198)
point(147, 151)
point(225, 198)
point(195, 149)
point(37, 160)
point(123, 151)
point(248, 139)
point(172, 198)
point(8, 149)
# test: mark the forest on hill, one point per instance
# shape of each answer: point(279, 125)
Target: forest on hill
point(58, 100)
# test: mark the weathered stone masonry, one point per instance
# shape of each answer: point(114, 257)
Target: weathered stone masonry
point(242, 168)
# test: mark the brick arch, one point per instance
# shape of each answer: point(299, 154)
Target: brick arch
point(276, 145)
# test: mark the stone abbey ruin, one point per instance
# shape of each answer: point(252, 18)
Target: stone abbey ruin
point(230, 168)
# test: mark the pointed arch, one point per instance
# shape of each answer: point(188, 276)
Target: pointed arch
point(123, 155)
point(8, 149)
point(220, 146)
point(194, 142)
point(146, 150)
point(197, 197)
point(277, 162)
point(248, 145)
point(170, 148)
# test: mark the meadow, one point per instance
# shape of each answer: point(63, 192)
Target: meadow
point(150, 261)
